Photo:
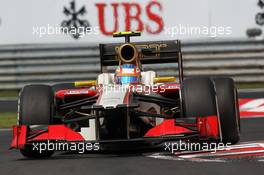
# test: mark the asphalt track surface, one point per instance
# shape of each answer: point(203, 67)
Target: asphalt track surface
point(12, 162)
point(8, 105)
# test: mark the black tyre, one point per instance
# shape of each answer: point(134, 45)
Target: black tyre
point(198, 97)
point(36, 105)
point(29, 152)
point(228, 109)
point(63, 86)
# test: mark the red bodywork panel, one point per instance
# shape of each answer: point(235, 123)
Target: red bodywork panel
point(55, 132)
point(167, 127)
point(162, 89)
point(207, 128)
point(76, 93)
point(19, 136)
point(59, 132)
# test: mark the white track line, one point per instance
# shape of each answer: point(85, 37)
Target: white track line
point(251, 90)
point(6, 129)
point(8, 99)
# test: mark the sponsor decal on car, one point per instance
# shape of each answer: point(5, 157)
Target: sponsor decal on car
point(71, 92)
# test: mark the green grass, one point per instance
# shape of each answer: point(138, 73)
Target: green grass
point(250, 85)
point(8, 119)
point(9, 93)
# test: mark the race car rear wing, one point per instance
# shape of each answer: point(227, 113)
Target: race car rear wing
point(153, 52)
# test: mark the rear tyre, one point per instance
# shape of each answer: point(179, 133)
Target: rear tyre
point(198, 97)
point(227, 102)
point(36, 105)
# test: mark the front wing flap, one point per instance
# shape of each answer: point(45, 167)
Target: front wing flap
point(204, 128)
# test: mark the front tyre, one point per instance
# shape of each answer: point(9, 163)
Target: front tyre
point(227, 102)
point(36, 105)
point(29, 152)
point(198, 97)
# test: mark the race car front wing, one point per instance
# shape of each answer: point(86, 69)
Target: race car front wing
point(194, 129)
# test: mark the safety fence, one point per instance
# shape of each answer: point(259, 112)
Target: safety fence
point(50, 63)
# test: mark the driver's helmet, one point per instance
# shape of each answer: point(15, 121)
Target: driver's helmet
point(127, 73)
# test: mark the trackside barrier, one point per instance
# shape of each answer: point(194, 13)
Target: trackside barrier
point(50, 63)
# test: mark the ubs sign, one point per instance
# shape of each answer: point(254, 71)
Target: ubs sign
point(74, 21)
point(126, 16)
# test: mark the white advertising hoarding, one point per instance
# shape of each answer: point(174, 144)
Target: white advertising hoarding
point(57, 21)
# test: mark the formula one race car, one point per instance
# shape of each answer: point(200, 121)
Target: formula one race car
point(130, 105)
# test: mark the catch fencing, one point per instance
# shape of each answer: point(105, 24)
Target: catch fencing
point(243, 60)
